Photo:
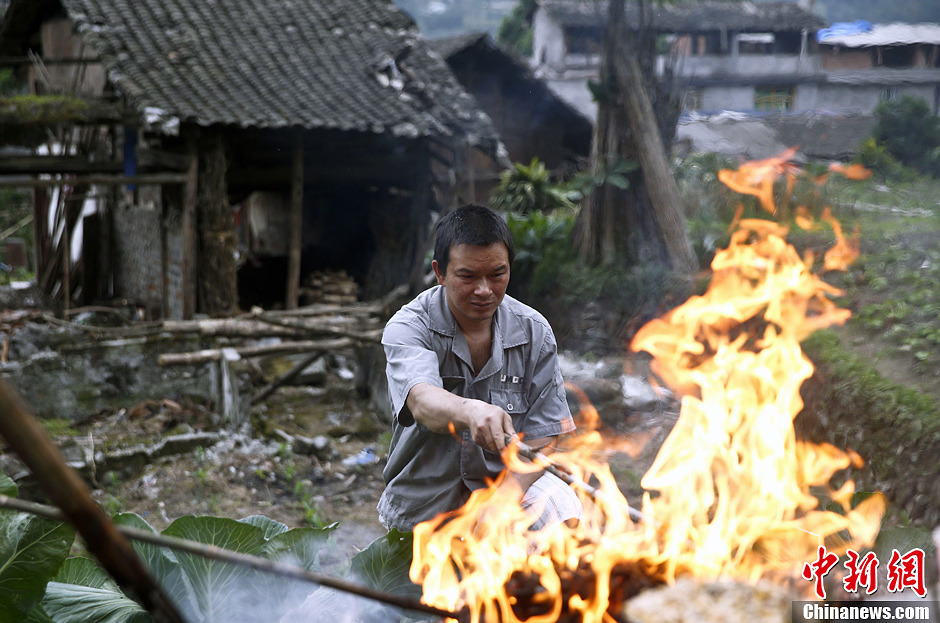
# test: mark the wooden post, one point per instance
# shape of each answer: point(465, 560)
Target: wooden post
point(189, 232)
point(70, 493)
point(297, 221)
point(66, 261)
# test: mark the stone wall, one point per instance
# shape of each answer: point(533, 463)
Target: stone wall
point(62, 373)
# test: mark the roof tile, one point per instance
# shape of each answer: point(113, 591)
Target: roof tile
point(279, 63)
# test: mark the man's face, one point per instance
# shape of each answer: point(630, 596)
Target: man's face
point(476, 281)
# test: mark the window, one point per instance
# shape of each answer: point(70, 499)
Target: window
point(755, 43)
point(773, 98)
point(692, 99)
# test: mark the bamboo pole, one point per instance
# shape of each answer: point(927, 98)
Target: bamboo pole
point(215, 354)
point(255, 562)
point(68, 491)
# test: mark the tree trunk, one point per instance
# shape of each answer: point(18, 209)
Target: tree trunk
point(216, 276)
point(643, 223)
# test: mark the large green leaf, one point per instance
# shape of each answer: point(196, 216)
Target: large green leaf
point(220, 591)
point(72, 603)
point(271, 527)
point(161, 561)
point(31, 551)
point(7, 486)
point(38, 615)
point(384, 564)
point(82, 592)
point(84, 572)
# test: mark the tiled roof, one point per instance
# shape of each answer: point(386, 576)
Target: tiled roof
point(491, 57)
point(693, 16)
point(334, 64)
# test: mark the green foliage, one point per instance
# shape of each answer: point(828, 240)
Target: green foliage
point(908, 316)
point(83, 592)
point(31, 551)
point(524, 189)
point(384, 564)
point(7, 486)
point(515, 31)
point(543, 246)
point(8, 83)
point(876, 157)
point(909, 131)
point(615, 174)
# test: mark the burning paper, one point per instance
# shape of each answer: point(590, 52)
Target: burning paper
point(731, 491)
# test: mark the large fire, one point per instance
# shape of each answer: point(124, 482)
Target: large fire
point(732, 491)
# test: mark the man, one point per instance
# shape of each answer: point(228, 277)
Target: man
point(468, 367)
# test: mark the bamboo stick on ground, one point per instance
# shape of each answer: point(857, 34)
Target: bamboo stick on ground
point(271, 387)
point(68, 491)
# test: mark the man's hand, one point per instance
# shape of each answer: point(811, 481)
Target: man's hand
point(489, 425)
point(438, 410)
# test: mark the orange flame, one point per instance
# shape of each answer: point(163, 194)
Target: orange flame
point(729, 493)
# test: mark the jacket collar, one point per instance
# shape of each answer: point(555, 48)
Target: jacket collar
point(508, 326)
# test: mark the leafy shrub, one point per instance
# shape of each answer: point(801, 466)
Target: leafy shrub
point(543, 245)
point(876, 157)
point(909, 131)
point(526, 188)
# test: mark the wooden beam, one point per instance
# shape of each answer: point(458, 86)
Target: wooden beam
point(13, 61)
point(154, 179)
point(34, 165)
point(148, 159)
point(190, 196)
point(297, 222)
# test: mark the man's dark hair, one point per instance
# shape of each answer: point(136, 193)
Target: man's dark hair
point(470, 224)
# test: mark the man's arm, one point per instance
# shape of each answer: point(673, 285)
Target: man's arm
point(437, 410)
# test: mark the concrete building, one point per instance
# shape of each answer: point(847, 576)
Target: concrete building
point(747, 57)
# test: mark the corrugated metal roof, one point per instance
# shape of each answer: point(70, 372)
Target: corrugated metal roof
point(335, 64)
point(691, 17)
point(888, 34)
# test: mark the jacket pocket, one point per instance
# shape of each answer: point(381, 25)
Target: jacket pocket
point(511, 401)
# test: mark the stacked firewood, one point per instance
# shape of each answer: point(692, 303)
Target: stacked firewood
point(333, 287)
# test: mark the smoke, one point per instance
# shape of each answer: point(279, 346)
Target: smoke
point(327, 605)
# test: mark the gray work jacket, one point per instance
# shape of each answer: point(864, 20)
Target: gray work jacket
point(429, 473)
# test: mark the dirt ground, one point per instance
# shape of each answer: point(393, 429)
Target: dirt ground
point(249, 473)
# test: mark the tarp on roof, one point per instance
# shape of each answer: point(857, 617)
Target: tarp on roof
point(842, 29)
point(886, 34)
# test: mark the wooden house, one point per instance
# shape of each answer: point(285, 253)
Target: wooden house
point(207, 155)
point(532, 121)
